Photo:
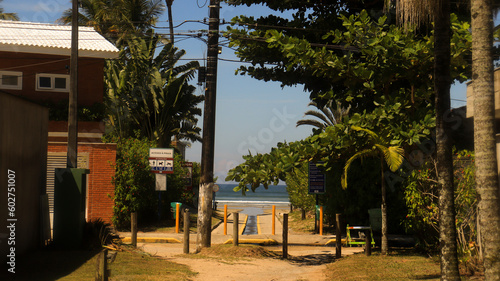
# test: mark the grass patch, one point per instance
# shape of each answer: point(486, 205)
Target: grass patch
point(80, 265)
point(299, 225)
point(396, 266)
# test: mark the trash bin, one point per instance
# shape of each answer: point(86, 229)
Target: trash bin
point(317, 210)
point(173, 206)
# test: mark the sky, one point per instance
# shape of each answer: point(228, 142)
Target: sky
point(251, 115)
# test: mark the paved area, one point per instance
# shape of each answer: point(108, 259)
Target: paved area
point(168, 244)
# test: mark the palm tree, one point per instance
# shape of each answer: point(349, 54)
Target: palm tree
point(328, 115)
point(393, 156)
point(170, 19)
point(149, 93)
point(484, 136)
point(413, 13)
point(116, 19)
point(7, 16)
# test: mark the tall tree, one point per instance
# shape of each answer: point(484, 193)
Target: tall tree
point(148, 92)
point(170, 19)
point(412, 13)
point(484, 135)
point(117, 19)
point(7, 16)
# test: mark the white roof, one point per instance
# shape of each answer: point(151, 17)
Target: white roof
point(41, 38)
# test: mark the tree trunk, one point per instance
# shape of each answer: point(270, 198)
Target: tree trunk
point(170, 20)
point(384, 249)
point(484, 136)
point(444, 156)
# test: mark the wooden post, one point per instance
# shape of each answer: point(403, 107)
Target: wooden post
point(177, 215)
point(368, 242)
point(321, 220)
point(274, 221)
point(101, 273)
point(235, 228)
point(133, 228)
point(186, 231)
point(338, 252)
point(285, 236)
point(225, 219)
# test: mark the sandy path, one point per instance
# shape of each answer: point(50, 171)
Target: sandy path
point(252, 270)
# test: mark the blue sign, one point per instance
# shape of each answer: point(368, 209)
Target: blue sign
point(317, 179)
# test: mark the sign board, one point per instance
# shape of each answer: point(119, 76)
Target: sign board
point(317, 179)
point(161, 160)
point(161, 153)
point(188, 177)
point(161, 165)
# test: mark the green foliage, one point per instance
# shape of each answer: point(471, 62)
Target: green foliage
point(421, 197)
point(147, 92)
point(58, 111)
point(298, 190)
point(133, 180)
point(135, 184)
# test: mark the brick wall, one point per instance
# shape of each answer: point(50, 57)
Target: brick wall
point(100, 192)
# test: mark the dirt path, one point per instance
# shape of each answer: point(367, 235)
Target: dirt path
point(305, 263)
point(252, 270)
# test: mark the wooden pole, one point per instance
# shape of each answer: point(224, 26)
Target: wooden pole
point(368, 242)
point(274, 221)
point(101, 273)
point(133, 228)
point(338, 252)
point(186, 231)
point(321, 220)
point(208, 144)
point(177, 215)
point(225, 219)
point(285, 236)
point(235, 228)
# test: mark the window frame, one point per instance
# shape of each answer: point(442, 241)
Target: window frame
point(52, 77)
point(19, 75)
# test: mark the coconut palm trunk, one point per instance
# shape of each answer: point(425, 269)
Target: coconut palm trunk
point(444, 154)
point(384, 247)
point(484, 136)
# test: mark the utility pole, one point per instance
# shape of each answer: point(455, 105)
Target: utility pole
point(208, 144)
point(73, 92)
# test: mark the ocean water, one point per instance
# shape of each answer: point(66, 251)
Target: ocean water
point(274, 195)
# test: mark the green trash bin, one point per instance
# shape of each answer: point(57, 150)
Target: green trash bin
point(173, 206)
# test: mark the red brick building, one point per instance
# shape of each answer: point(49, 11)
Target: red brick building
point(34, 64)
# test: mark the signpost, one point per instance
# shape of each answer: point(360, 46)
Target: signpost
point(317, 179)
point(317, 183)
point(161, 161)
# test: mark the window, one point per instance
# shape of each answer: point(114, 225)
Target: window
point(52, 82)
point(11, 80)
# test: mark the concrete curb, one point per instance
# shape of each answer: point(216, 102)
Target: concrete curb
point(151, 240)
point(264, 242)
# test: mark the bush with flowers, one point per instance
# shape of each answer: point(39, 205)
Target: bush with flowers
point(135, 184)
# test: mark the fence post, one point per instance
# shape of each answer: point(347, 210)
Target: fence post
point(101, 273)
point(368, 242)
point(338, 251)
point(186, 231)
point(321, 220)
point(274, 220)
point(225, 219)
point(235, 228)
point(285, 236)
point(133, 228)
point(177, 214)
